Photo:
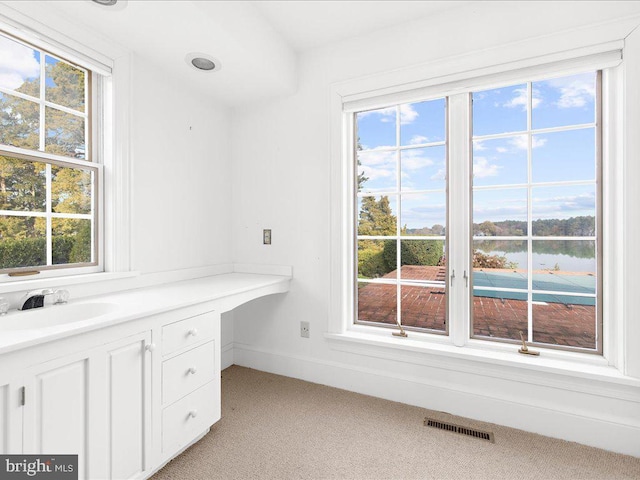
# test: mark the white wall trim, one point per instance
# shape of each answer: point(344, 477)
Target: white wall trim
point(488, 400)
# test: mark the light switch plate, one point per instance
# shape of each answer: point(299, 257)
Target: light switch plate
point(266, 236)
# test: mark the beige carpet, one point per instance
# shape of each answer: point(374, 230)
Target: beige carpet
point(276, 427)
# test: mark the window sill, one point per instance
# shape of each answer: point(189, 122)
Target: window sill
point(22, 284)
point(568, 370)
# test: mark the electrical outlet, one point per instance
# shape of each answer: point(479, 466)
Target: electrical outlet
point(266, 236)
point(304, 329)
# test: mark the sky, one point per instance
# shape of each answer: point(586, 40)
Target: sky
point(502, 162)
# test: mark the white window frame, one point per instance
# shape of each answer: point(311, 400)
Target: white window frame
point(110, 129)
point(450, 78)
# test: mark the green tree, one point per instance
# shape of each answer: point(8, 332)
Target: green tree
point(376, 217)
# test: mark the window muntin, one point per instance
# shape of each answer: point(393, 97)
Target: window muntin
point(401, 159)
point(48, 182)
point(536, 213)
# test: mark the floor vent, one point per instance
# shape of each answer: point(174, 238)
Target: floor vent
point(451, 427)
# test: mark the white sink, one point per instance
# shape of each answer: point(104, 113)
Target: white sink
point(53, 315)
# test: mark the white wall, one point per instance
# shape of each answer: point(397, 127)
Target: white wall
point(181, 169)
point(280, 154)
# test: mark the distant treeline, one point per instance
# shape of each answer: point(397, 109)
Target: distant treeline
point(552, 227)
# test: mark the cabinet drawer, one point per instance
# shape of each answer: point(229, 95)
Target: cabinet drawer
point(189, 331)
point(183, 421)
point(186, 372)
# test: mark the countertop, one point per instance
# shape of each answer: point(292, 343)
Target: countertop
point(52, 322)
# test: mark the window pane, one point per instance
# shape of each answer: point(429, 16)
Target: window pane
point(564, 320)
point(423, 260)
point(71, 240)
point(423, 168)
point(377, 171)
point(65, 133)
point(376, 258)
point(19, 122)
point(65, 84)
point(501, 161)
point(20, 67)
point(376, 128)
point(500, 212)
point(569, 210)
point(564, 265)
point(501, 315)
point(422, 122)
point(71, 190)
point(565, 101)
point(23, 242)
point(424, 214)
point(500, 263)
point(562, 156)
point(22, 185)
point(500, 110)
point(377, 303)
point(424, 307)
point(377, 215)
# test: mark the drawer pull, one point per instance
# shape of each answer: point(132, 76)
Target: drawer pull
point(192, 370)
point(150, 348)
point(192, 332)
point(193, 413)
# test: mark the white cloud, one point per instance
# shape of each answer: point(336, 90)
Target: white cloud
point(440, 175)
point(18, 64)
point(415, 160)
point(407, 114)
point(521, 142)
point(478, 145)
point(379, 167)
point(501, 150)
point(520, 99)
point(577, 92)
point(418, 139)
point(482, 168)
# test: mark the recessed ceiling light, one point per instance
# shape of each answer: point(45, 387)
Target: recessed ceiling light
point(203, 62)
point(113, 5)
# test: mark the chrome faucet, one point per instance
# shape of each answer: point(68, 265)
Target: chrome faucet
point(35, 298)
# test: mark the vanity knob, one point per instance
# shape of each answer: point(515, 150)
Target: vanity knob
point(193, 413)
point(150, 348)
point(193, 332)
point(192, 370)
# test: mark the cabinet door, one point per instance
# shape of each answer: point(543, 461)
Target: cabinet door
point(129, 405)
point(10, 416)
point(56, 410)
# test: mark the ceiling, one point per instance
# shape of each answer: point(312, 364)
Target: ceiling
point(312, 23)
point(257, 42)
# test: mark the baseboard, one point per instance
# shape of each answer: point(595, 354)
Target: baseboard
point(227, 356)
point(507, 409)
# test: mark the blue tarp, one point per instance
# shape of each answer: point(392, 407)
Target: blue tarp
point(585, 284)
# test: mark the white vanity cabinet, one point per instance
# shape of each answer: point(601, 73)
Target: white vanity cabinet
point(131, 392)
point(125, 402)
point(95, 403)
point(190, 380)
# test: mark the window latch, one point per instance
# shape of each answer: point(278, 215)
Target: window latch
point(466, 279)
point(453, 275)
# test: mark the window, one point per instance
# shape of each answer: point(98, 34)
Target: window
point(49, 173)
point(530, 231)
point(402, 216)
